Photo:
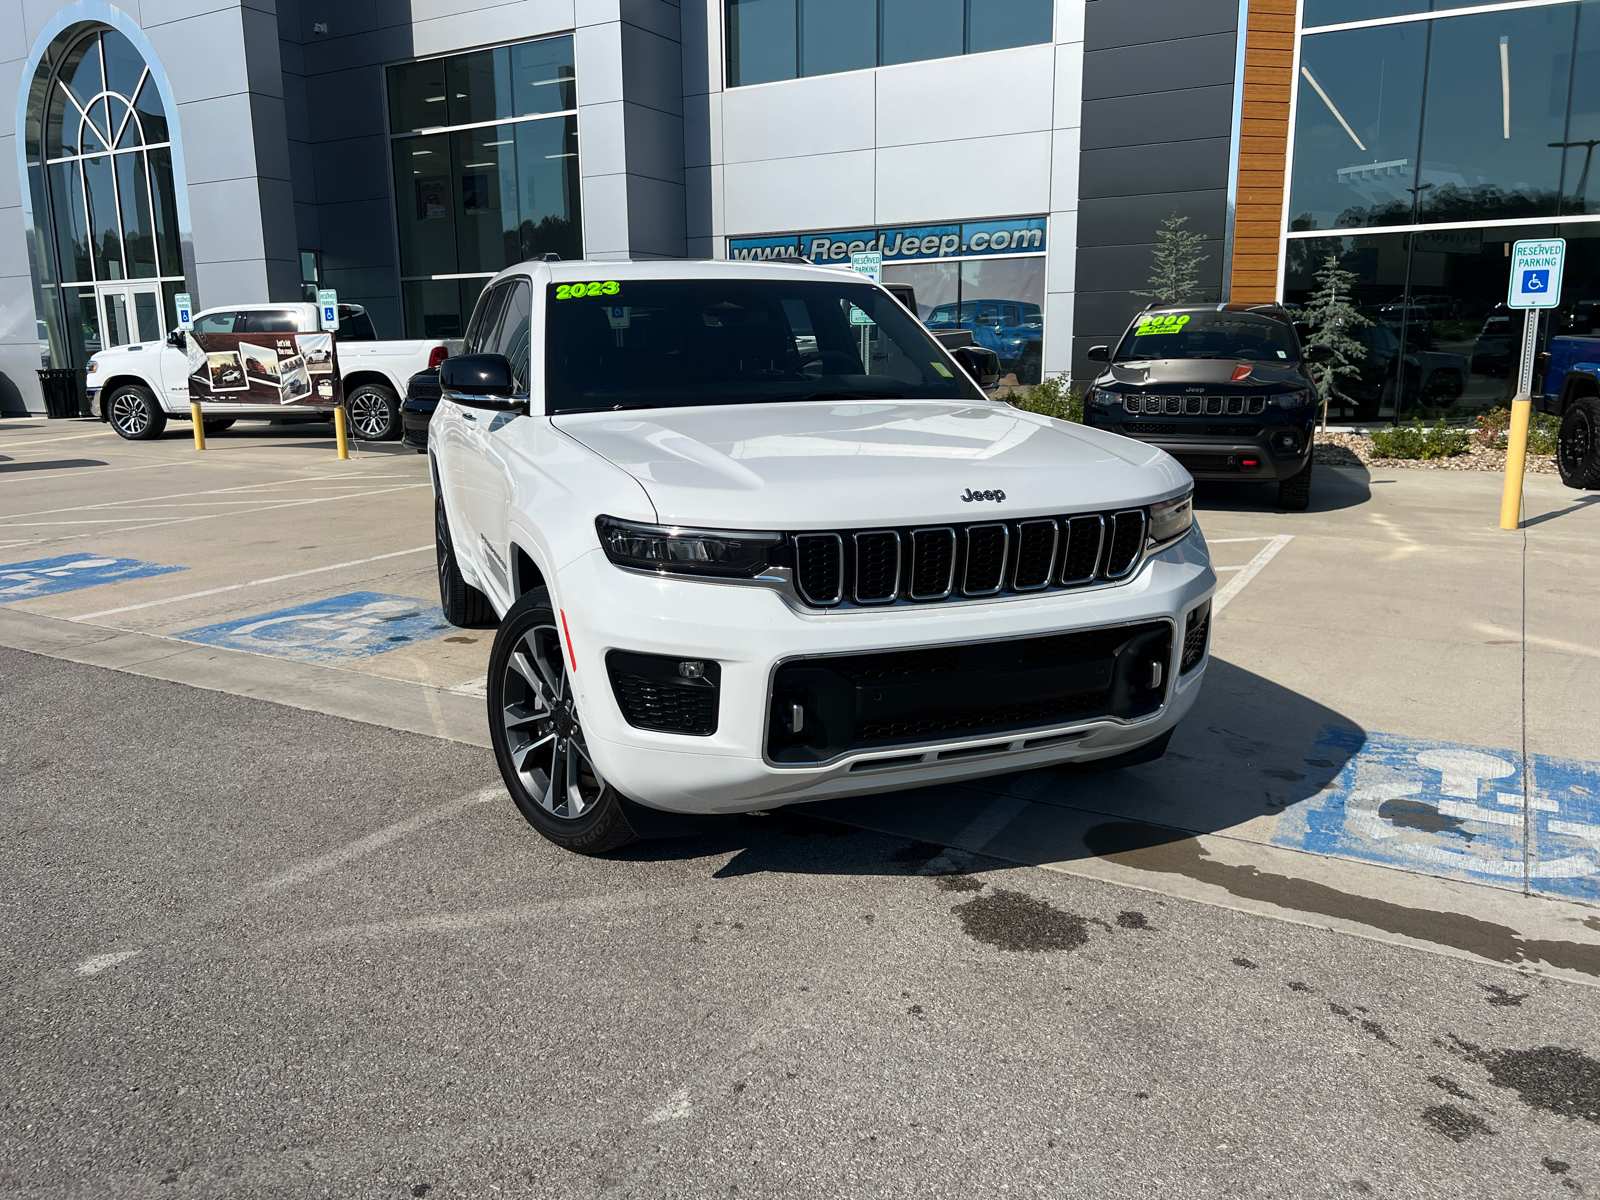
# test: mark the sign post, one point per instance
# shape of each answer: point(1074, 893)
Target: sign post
point(1536, 265)
point(328, 319)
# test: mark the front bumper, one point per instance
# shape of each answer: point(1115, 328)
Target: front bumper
point(415, 414)
point(750, 630)
point(1249, 456)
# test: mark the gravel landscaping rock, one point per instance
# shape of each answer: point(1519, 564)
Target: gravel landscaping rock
point(1355, 450)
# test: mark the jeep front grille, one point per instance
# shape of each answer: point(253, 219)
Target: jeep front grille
point(1194, 406)
point(970, 561)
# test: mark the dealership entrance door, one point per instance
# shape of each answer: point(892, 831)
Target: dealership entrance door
point(130, 312)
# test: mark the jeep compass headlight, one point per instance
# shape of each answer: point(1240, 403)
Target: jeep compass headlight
point(1292, 399)
point(1171, 519)
point(673, 549)
point(1104, 397)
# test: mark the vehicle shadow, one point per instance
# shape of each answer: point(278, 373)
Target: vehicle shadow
point(1249, 750)
point(1586, 502)
point(1333, 488)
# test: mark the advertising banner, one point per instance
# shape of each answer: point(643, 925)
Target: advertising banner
point(901, 243)
point(285, 369)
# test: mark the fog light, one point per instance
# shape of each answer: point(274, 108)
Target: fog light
point(1289, 441)
point(692, 670)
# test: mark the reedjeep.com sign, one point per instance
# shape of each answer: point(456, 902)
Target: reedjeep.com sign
point(900, 243)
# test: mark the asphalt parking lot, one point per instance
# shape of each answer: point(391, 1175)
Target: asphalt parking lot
point(274, 930)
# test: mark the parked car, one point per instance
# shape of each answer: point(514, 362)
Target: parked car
point(1571, 391)
point(416, 410)
point(1496, 345)
point(139, 388)
point(1011, 328)
point(730, 573)
point(1221, 389)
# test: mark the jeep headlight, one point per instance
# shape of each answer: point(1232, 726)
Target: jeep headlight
point(1171, 519)
point(1104, 397)
point(675, 550)
point(1292, 399)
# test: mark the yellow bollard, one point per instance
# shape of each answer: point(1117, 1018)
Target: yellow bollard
point(199, 425)
point(1516, 456)
point(342, 429)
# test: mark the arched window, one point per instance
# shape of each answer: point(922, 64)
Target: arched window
point(108, 257)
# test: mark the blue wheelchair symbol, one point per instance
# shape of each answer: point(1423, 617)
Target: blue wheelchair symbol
point(1536, 281)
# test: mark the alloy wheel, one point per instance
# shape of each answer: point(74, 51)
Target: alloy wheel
point(1575, 443)
point(369, 413)
point(543, 733)
point(130, 414)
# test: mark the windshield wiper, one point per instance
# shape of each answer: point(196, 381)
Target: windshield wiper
point(847, 395)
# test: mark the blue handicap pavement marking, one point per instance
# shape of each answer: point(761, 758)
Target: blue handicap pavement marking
point(1453, 810)
point(47, 576)
point(329, 631)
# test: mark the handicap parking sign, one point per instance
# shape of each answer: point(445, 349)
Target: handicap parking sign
point(329, 631)
point(1536, 281)
point(1536, 273)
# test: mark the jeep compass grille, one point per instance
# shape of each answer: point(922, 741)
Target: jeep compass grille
point(1194, 406)
point(952, 562)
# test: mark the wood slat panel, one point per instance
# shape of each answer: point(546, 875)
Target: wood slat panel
point(1263, 147)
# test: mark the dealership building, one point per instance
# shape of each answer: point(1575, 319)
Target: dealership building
point(1012, 160)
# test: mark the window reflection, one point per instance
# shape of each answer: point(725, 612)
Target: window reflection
point(838, 35)
point(917, 29)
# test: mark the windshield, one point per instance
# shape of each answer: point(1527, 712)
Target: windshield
point(664, 343)
point(1209, 335)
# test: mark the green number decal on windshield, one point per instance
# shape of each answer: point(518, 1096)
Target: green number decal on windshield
point(1166, 323)
point(576, 291)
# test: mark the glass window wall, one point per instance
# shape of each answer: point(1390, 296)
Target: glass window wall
point(770, 40)
point(999, 300)
point(473, 201)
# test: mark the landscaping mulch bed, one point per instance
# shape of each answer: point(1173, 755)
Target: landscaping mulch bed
point(1355, 450)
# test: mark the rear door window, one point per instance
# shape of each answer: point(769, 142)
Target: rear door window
point(269, 320)
point(356, 326)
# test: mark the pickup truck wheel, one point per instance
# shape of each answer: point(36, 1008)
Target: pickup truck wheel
point(1294, 493)
point(134, 413)
point(1578, 444)
point(538, 735)
point(464, 605)
point(374, 413)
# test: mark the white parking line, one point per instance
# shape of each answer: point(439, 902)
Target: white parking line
point(1251, 569)
point(233, 587)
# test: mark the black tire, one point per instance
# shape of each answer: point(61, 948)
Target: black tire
point(538, 737)
point(1030, 367)
point(1294, 493)
point(135, 414)
point(218, 424)
point(374, 413)
point(464, 605)
point(1578, 444)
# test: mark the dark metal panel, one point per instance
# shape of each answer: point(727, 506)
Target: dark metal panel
point(1159, 67)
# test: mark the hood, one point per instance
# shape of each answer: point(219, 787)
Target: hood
point(828, 465)
point(1159, 372)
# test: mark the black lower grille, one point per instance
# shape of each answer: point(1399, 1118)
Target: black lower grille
point(1248, 431)
point(1196, 630)
point(1208, 462)
point(424, 385)
point(1149, 428)
point(899, 697)
point(653, 692)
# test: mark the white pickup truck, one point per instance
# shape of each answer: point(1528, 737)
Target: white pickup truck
point(136, 388)
point(753, 537)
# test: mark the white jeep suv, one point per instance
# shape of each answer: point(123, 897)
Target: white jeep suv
point(753, 537)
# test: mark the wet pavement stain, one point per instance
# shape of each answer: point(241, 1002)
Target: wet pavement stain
point(1379, 1032)
point(1245, 963)
point(1555, 1078)
point(1133, 920)
point(1445, 1084)
point(1415, 814)
point(1174, 852)
point(1456, 1125)
point(1555, 1166)
point(957, 883)
point(1014, 921)
point(1501, 998)
point(1295, 985)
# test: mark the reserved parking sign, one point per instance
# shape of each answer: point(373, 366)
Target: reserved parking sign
point(1536, 272)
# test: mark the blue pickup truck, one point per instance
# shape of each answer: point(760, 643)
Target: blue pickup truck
point(1571, 391)
point(1013, 329)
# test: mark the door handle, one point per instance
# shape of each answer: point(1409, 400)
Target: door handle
point(468, 415)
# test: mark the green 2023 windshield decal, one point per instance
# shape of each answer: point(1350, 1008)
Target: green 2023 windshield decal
point(1171, 323)
point(576, 291)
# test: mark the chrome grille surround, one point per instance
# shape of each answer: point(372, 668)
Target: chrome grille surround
point(937, 564)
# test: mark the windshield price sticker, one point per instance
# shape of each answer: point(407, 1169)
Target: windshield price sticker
point(577, 291)
point(943, 370)
point(1169, 323)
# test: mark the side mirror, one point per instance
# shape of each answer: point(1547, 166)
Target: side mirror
point(479, 381)
point(1099, 354)
point(177, 341)
point(982, 364)
point(1316, 354)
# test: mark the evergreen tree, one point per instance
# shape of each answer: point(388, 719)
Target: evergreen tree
point(1334, 320)
point(1175, 278)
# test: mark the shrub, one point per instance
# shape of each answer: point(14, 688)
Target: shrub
point(1494, 426)
point(1416, 442)
point(1053, 397)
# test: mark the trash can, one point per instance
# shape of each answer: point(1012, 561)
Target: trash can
point(62, 395)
